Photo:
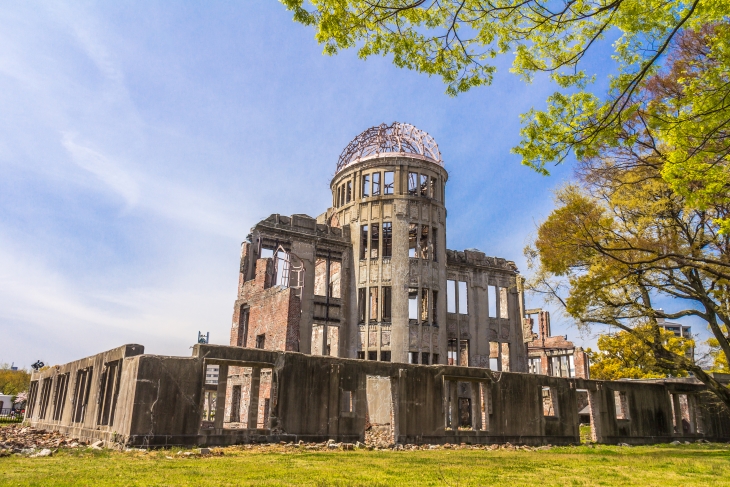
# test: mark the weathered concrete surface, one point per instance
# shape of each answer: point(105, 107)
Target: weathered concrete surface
point(160, 402)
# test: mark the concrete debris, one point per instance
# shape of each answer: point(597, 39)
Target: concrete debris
point(43, 453)
point(17, 439)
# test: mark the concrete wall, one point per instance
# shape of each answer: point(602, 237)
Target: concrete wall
point(160, 402)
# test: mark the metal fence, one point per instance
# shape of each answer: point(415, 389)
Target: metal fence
point(11, 415)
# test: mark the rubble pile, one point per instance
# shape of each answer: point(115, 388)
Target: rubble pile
point(19, 439)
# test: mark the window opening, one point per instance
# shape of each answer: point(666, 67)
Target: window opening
point(434, 243)
point(261, 340)
point(348, 401)
point(374, 240)
point(289, 270)
point(45, 397)
point(59, 396)
point(361, 355)
point(495, 362)
point(387, 239)
point(434, 308)
point(365, 185)
point(424, 185)
point(373, 355)
point(451, 296)
point(320, 277)
point(348, 197)
point(81, 393)
point(424, 305)
point(361, 304)
point(425, 358)
point(451, 352)
point(109, 390)
point(386, 304)
point(385, 356)
point(423, 250)
point(242, 327)
point(236, 404)
point(432, 188)
point(376, 184)
point(413, 357)
point(413, 305)
point(549, 404)
point(464, 353)
point(492, 299)
point(535, 365)
point(334, 281)
point(463, 301)
point(412, 184)
point(622, 405)
point(363, 242)
point(412, 239)
point(503, 303)
point(465, 412)
point(373, 304)
point(32, 393)
point(388, 182)
point(435, 358)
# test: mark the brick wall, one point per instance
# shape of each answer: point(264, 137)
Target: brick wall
point(273, 311)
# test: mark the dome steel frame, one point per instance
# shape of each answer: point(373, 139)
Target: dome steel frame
point(397, 138)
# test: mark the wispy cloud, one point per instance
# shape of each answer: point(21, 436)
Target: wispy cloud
point(107, 171)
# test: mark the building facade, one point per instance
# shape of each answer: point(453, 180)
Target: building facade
point(371, 277)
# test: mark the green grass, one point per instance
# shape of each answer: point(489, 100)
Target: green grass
point(684, 465)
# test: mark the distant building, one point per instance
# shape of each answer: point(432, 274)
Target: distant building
point(211, 374)
point(679, 330)
point(553, 355)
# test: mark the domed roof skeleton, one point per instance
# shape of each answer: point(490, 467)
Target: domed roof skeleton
point(397, 138)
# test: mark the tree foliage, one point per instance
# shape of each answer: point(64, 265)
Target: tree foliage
point(623, 236)
point(13, 382)
point(459, 39)
point(624, 355)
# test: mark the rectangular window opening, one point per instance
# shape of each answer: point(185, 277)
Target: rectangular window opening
point(434, 308)
point(451, 352)
point(412, 184)
point(412, 239)
point(423, 245)
point(59, 396)
point(549, 404)
point(373, 355)
point(361, 304)
point(434, 244)
point(424, 185)
point(424, 305)
point(349, 192)
point(385, 356)
point(389, 183)
point(413, 357)
point(425, 358)
point(45, 397)
point(365, 185)
point(363, 242)
point(451, 296)
point(463, 301)
point(374, 240)
point(432, 188)
point(492, 301)
point(261, 340)
point(376, 184)
point(348, 399)
point(387, 240)
point(503, 303)
point(373, 304)
point(621, 404)
point(386, 304)
point(413, 305)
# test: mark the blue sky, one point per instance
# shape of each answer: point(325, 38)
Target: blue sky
point(139, 142)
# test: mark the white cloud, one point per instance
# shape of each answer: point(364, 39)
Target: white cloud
point(106, 170)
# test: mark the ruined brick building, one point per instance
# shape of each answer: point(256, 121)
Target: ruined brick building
point(360, 324)
point(371, 277)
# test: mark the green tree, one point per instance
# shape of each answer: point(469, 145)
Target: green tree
point(624, 355)
point(13, 382)
point(623, 236)
point(458, 40)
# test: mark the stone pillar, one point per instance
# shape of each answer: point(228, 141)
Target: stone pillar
point(220, 397)
point(253, 403)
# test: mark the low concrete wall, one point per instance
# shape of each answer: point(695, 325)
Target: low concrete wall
point(160, 401)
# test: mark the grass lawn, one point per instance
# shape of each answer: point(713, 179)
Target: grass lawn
point(684, 465)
